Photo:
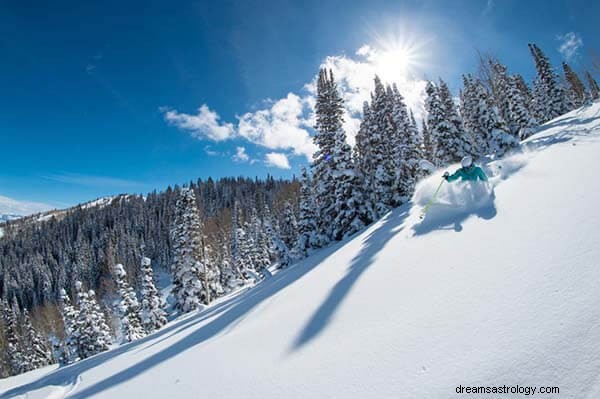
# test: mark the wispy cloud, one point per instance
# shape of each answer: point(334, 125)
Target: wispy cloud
point(277, 160)
point(203, 125)
point(21, 208)
point(570, 44)
point(92, 180)
point(241, 155)
point(208, 150)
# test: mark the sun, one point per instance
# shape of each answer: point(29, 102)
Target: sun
point(398, 57)
point(395, 62)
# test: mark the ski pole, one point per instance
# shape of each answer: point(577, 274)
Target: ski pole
point(431, 200)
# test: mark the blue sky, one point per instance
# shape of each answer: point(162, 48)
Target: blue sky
point(100, 98)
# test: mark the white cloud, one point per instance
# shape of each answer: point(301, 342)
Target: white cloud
point(241, 155)
point(277, 160)
point(286, 123)
point(21, 208)
point(204, 125)
point(282, 126)
point(570, 44)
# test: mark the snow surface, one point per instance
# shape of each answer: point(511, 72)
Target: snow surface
point(503, 293)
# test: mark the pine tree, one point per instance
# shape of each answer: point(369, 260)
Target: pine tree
point(69, 347)
point(523, 122)
point(451, 143)
point(152, 314)
point(14, 340)
point(340, 202)
point(261, 252)
point(406, 149)
point(37, 352)
point(240, 262)
point(483, 119)
point(329, 113)
point(280, 249)
point(576, 90)
point(185, 237)
point(549, 95)
point(365, 162)
point(456, 142)
point(501, 92)
point(593, 86)
point(525, 92)
point(409, 172)
point(350, 212)
point(230, 278)
point(128, 308)
point(289, 225)
point(384, 139)
point(307, 221)
point(210, 274)
point(92, 334)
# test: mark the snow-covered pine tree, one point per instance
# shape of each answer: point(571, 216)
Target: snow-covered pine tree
point(487, 127)
point(364, 161)
point(550, 97)
point(128, 307)
point(281, 250)
point(186, 233)
point(262, 250)
point(91, 332)
point(14, 339)
point(593, 86)
point(576, 90)
point(329, 113)
point(69, 347)
point(522, 121)
point(289, 225)
point(405, 149)
point(239, 253)
point(229, 278)
point(450, 144)
point(410, 171)
point(350, 212)
point(384, 147)
point(210, 274)
point(525, 92)
point(37, 351)
point(340, 201)
point(501, 92)
point(457, 142)
point(153, 305)
point(307, 220)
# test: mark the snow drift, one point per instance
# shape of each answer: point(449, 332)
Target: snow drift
point(501, 292)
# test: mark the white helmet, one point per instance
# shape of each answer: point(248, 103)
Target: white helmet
point(466, 162)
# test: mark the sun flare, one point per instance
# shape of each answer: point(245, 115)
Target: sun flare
point(398, 57)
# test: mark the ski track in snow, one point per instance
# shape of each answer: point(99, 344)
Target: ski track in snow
point(501, 291)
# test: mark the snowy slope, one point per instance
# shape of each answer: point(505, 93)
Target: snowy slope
point(505, 293)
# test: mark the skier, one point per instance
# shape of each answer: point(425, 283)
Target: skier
point(468, 172)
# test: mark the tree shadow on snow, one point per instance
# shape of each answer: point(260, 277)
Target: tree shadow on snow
point(372, 244)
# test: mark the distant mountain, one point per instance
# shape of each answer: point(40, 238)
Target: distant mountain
point(11, 209)
point(9, 216)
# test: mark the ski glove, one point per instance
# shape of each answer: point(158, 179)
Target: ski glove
point(446, 175)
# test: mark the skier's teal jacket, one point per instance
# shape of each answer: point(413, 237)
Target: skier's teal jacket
point(472, 173)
